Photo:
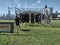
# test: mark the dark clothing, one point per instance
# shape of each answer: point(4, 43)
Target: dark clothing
point(17, 21)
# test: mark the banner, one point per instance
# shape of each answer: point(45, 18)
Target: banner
point(6, 26)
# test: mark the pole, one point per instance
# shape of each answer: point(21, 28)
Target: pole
point(9, 13)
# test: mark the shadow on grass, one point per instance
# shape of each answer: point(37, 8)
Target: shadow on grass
point(25, 30)
point(20, 35)
point(34, 25)
point(13, 34)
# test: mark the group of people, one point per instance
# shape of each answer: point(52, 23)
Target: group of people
point(25, 18)
point(17, 20)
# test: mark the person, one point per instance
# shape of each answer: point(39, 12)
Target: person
point(17, 23)
point(17, 20)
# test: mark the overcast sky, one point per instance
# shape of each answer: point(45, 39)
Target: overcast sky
point(28, 4)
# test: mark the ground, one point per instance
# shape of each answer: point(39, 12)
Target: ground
point(39, 34)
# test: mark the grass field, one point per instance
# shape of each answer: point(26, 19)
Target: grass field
point(39, 34)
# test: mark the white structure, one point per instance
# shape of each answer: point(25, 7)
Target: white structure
point(48, 14)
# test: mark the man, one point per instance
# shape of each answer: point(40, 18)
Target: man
point(17, 20)
point(17, 23)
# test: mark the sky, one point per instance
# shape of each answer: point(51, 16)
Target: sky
point(4, 4)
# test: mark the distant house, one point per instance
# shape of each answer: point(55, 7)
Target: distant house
point(56, 16)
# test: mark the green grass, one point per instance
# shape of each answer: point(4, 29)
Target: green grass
point(39, 34)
